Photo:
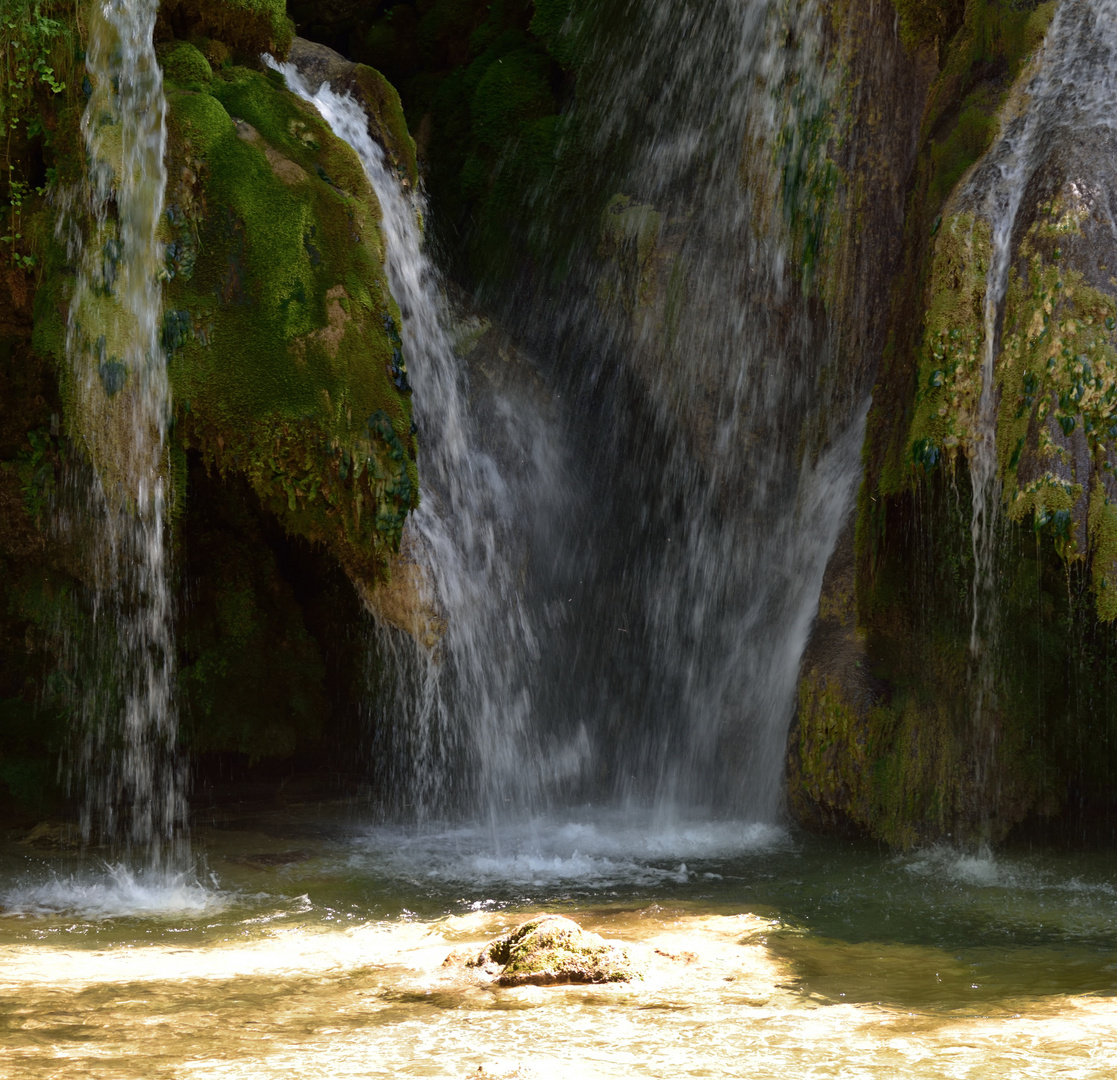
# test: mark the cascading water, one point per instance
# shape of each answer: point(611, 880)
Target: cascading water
point(123, 664)
point(654, 658)
point(702, 575)
point(1072, 87)
point(458, 709)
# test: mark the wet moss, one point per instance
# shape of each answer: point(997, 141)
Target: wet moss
point(550, 949)
point(279, 324)
point(250, 27)
point(924, 20)
point(183, 63)
point(949, 361)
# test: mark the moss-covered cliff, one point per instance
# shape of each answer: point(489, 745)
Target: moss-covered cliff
point(283, 338)
point(291, 448)
point(891, 737)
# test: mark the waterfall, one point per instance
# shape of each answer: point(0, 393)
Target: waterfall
point(652, 655)
point(119, 401)
point(457, 710)
point(1073, 86)
point(625, 617)
point(730, 448)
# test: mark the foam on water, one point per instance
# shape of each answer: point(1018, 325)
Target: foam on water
point(116, 892)
point(595, 853)
point(988, 871)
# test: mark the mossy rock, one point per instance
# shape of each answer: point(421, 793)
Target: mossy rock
point(549, 950)
point(283, 339)
point(184, 64)
point(252, 679)
point(250, 27)
point(318, 64)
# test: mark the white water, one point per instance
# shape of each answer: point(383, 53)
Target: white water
point(456, 717)
point(593, 849)
point(727, 485)
point(123, 764)
point(113, 891)
point(654, 659)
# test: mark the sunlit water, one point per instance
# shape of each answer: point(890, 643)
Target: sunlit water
point(310, 946)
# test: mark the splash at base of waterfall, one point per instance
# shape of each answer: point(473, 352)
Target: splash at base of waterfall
point(324, 949)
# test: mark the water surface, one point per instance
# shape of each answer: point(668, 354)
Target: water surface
point(306, 945)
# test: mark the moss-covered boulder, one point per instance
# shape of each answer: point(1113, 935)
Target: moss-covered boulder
point(549, 950)
point(318, 64)
point(283, 339)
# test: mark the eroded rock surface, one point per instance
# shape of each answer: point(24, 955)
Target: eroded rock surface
point(549, 950)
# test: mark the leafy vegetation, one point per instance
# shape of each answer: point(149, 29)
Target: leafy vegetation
point(37, 46)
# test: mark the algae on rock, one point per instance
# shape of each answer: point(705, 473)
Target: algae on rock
point(549, 950)
point(282, 335)
point(886, 742)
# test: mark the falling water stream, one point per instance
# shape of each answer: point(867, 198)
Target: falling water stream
point(719, 612)
point(461, 703)
point(125, 764)
point(702, 564)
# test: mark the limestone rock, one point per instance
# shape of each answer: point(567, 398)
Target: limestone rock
point(407, 599)
point(549, 950)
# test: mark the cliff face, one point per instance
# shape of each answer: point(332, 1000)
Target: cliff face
point(291, 452)
point(916, 720)
point(828, 179)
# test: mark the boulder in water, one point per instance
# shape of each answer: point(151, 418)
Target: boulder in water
point(549, 950)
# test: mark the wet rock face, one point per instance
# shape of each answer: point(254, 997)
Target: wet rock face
point(319, 64)
point(550, 950)
point(888, 741)
point(280, 330)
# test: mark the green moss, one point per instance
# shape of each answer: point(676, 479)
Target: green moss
point(889, 773)
point(560, 26)
point(948, 372)
point(890, 749)
point(921, 370)
point(551, 949)
point(284, 355)
point(969, 138)
point(250, 27)
point(485, 84)
point(510, 91)
point(183, 63)
point(383, 100)
point(923, 20)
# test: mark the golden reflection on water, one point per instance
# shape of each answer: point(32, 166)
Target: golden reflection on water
point(724, 995)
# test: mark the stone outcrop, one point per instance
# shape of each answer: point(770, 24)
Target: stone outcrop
point(291, 451)
point(891, 738)
point(549, 950)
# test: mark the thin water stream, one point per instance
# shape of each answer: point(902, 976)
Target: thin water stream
point(123, 765)
point(1071, 88)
